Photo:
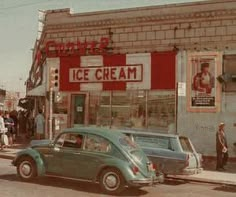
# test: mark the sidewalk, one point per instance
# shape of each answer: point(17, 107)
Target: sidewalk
point(10, 152)
point(208, 175)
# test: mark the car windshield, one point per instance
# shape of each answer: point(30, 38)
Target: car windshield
point(185, 143)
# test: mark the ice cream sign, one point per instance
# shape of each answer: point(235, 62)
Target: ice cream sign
point(127, 73)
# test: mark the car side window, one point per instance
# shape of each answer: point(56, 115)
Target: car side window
point(70, 140)
point(153, 141)
point(96, 143)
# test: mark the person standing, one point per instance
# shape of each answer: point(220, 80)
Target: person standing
point(2, 131)
point(221, 148)
point(9, 124)
point(39, 123)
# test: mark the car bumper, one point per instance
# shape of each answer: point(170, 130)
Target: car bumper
point(148, 181)
point(192, 171)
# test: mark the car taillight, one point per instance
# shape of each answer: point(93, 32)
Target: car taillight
point(134, 169)
point(151, 166)
point(154, 166)
point(187, 160)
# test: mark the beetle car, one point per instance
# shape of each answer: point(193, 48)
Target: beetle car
point(89, 154)
point(173, 154)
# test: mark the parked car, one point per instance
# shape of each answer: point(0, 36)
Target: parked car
point(89, 154)
point(174, 154)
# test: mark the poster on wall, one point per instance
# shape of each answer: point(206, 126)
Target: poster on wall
point(203, 88)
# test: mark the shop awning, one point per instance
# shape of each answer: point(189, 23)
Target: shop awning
point(38, 91)
point(26, 103)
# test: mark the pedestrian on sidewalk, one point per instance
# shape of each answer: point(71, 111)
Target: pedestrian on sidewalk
point(9, 124)
point(39, 124)
point(3, 130)
point(221, 148)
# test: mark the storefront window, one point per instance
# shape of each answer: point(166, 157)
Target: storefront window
point(104, 110)
point(94, 103)
point(133, 109)
point(138, 109)
point(161, 110)
point(121, 109)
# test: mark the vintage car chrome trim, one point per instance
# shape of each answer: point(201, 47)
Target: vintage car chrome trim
point(63, 177)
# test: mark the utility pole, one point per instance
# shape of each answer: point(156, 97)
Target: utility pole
point(50, 112)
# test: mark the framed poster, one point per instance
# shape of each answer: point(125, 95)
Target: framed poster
point(204, 90)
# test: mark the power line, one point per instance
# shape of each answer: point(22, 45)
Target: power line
point(23, 5)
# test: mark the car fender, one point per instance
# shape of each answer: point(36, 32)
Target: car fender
point(29, 152)
point(121, 166)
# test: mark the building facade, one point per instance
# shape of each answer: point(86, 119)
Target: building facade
point(161, 68)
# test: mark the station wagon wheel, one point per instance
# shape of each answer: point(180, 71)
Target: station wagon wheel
point(26, 168)
point(111, 181)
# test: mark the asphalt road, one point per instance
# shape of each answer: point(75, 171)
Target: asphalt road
point(12, 186)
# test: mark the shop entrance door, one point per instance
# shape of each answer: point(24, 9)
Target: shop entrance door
point(78, 109)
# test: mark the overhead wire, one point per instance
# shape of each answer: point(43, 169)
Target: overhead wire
point(24, 5)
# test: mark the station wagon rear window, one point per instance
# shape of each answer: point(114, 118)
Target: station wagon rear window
point(186, 146)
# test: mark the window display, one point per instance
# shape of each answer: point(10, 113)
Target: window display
point(132, 109)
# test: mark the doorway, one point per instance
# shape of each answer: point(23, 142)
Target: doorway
point(78, 109)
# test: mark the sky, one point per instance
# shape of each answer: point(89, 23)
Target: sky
point(19, 26)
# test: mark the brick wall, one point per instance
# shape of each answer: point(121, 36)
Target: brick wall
point(189, 26)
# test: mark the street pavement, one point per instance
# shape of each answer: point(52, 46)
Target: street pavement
point(208, 175)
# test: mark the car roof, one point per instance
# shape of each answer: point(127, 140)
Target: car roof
point(142, 132)
point(104, 132)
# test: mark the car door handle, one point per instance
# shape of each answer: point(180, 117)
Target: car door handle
point(77, 153)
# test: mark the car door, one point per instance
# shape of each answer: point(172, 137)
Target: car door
point(65, 157)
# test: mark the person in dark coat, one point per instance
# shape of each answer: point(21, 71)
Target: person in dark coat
point(9, 124)
point(221, 148)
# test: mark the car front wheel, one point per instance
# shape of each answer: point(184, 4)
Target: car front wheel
point(112, 181)
point(26, 168)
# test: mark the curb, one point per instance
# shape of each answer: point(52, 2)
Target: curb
point(202, 180)
point(6, 156)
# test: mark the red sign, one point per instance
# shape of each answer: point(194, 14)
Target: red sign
point(131, 73)
point(57, 49)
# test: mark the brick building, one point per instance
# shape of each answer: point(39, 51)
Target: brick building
point(140, 68)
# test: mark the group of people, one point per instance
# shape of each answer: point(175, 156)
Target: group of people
point(7, 129)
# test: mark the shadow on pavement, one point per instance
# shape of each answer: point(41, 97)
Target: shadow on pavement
point(226, 188)
point(70, 184)
point(169, 181)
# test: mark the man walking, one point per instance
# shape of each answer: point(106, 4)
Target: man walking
point(221, 148)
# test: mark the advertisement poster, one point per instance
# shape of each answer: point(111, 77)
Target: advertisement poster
point(203, 87)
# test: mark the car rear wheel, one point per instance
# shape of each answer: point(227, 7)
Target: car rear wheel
point(26, 168)
point(112, 181)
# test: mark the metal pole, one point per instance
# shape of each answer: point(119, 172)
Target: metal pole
point(176, 108)
point(50, 113)
point(146, 108)
point(111, 117)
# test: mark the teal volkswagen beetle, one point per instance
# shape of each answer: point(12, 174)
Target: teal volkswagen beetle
point(89, 154)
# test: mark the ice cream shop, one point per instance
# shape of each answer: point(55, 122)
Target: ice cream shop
point(138, 68)
point(116, 90)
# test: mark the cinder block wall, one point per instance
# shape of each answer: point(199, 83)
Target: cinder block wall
point(192, 26)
